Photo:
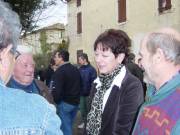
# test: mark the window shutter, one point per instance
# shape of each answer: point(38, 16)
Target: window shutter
point(164, 5)
point(160, 6)
point(78, 3)
point(121, 11)
point(79, 23)
point(168, 4)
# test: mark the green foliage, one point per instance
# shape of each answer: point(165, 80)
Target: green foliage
point(28, 10)
point(45, 47)
point(64, 45)
point(41, 59)
point(44, 57)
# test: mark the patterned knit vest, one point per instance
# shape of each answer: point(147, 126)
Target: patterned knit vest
point(160, 118)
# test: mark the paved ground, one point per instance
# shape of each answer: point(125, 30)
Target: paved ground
point(76, 130)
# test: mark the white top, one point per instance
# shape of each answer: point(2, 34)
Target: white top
point(117, 81)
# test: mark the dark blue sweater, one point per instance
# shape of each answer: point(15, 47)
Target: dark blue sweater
point(88, 75)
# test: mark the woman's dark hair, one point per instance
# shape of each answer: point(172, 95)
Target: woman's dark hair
point(116, 40)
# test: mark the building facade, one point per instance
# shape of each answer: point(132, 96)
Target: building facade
point(88, 18)
point(53, 36)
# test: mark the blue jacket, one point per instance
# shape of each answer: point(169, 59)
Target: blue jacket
point(88, 75)
point(26, 114)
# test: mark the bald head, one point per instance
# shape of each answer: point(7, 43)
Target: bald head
point(160, 55)
point(168, 40)
point(24, 69)
point(170, 31)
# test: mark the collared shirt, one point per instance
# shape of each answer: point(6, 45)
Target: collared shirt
point(31, 88)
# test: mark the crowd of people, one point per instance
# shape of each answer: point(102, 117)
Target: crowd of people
point(119, 97)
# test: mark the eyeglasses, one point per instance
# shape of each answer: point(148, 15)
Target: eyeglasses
point(15, 53)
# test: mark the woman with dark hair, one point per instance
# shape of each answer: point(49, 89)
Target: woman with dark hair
point(116, 94)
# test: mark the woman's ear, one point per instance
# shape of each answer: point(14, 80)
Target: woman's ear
point(120, 57)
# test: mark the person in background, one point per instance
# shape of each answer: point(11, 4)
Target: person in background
point(23, 76)
point(135, 69)
point(20, 112)
point(88, 75)
point(66, 90)
point(116, 94)
point(42, 73)
point(160, 58)
point(50, 71)
point(139, 63)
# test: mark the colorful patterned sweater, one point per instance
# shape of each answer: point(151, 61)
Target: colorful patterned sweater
point(160, 114)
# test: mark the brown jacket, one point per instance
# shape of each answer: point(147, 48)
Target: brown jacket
point(43, 90)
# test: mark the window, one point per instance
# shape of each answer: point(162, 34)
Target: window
point(79, 23)
point(164, 5)
point(78, 3)
point(121, 11)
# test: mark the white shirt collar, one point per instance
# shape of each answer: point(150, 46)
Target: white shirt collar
point(116, 80)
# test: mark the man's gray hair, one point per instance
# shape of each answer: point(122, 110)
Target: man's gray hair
point(167, 42)
point(10, 26)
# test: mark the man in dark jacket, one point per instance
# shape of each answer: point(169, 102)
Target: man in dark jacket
point(88, 75)
point(66, 90)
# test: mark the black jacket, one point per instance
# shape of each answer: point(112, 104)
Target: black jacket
point(66, 84)
point(138, 72)
point(135, 70)
point(122, 106)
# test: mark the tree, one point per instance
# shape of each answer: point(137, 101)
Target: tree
point(63, 45)
point(45, 47)
point(65, 1)
point(28, 10)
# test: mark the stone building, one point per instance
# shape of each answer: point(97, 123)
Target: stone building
point(88, 18)
point(54, 35)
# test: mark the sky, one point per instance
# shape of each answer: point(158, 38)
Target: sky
point(54, 14)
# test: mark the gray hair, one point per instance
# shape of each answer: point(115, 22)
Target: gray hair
point(167, 42)
point(10, 26)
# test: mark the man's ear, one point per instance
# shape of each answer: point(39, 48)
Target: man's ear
point(120, 57)
point(158, 56)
